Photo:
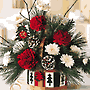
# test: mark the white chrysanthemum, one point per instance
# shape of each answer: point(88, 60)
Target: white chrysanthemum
point(18, 46)
point(52, 49)
point(67, 60)
point(85, 61)
point(6, 58)
point(76, 49)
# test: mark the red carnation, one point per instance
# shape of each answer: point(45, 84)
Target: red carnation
point(27, 59)
point(23, 34)
point(38, 23)
point(62, 37)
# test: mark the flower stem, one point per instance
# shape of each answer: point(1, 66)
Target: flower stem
point(23, 16)
point(27, 9)
point(65, 14)
point(32, 5)
point(70, 8)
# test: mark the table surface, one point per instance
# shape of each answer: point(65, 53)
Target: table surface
point(83, 87)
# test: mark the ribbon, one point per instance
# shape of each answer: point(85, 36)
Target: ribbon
point(40, 83)
point(41, 46)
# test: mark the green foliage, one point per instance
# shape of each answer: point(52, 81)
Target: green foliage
point(69, 25)
point(6, 47)
point(12, 72)
point(78, 40)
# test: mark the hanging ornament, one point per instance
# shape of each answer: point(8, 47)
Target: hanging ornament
point(18, 46)
point(39, 76)
point(23, 34)
point(48, 62)
point(33, 42)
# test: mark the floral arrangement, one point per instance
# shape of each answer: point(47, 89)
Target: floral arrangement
point(45, 43)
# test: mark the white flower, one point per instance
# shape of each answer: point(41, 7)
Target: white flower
point(6, 58)
point(18, 46)
point(43, 5)
point(52, 49)
point(85, 61)
point(76, 49)
point(67, 60)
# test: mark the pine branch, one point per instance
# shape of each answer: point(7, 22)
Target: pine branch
point(8, 72)
point(15, 75)
point(78, 40)
point(4, 44)
point(5, 40)
point(77, 35)
point(73, 75)
point(72, 80)
point(7, 77)
point(36, 12)
point(69, 25)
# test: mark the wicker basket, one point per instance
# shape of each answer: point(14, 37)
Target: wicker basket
point(42, 85)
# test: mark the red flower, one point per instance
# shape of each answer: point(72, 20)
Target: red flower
point(27, 59)
point(39, 76)
point(23, 34)
point(38, 23)
point(62, 37)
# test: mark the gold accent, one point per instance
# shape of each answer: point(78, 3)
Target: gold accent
point(20, 79)
point(85, 6)
point(11, 88)
point(17, 18)
point(74, 86)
